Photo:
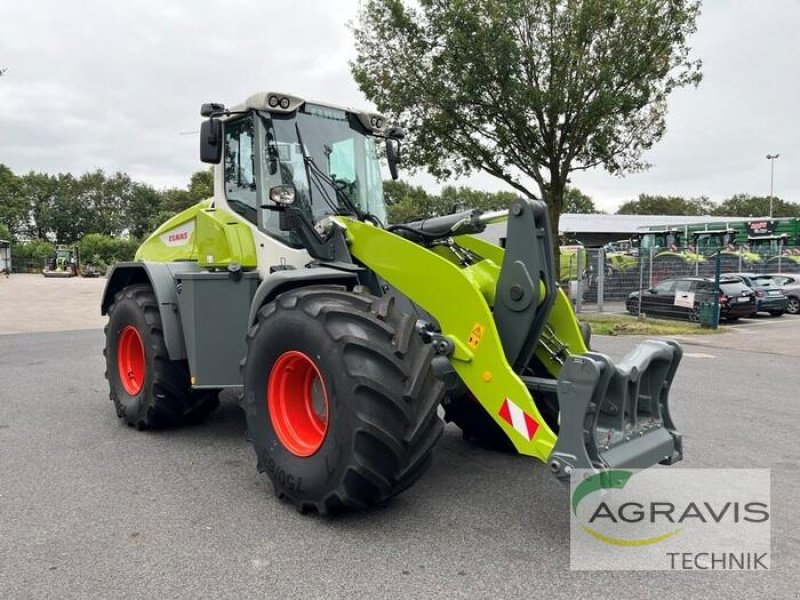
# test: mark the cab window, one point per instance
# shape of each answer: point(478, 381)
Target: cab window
point(240, 168)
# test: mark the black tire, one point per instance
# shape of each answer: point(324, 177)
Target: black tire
point(380, 393)
point(794, 305)
point(732, 319)
point(632, 306)
point(694, 314)
point(165, 398)
point(777, 313)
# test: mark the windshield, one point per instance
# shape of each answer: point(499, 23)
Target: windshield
point(767, 247)
point(708, 243)
point(334, 169)
point(662, 239)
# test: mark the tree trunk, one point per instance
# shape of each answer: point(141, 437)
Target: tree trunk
point(555, 202)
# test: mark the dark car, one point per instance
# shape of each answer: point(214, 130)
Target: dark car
point(769, 296)
point(790, 284)
point(681, 298)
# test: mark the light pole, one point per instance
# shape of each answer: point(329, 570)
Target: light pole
point(771, 158)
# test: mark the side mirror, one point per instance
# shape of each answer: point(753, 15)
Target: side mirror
point(211, 141)
point(212, 109)
point(393, 156)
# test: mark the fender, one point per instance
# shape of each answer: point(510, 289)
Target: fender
point(283, 281)
point(161, 277)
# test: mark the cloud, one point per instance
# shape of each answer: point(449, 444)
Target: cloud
point(117, 85)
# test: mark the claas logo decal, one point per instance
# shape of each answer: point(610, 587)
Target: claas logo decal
point(178, 236)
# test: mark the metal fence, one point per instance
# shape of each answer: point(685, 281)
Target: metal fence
point(26, 265)
point(596, 279)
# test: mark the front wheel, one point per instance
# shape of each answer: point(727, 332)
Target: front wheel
point(340, 397)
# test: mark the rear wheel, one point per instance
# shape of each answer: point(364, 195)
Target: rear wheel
point(340, 398)
point(794, 306)
point(777, 313)
point(147, 388)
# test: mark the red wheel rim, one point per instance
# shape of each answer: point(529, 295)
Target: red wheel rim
point(298, 403)
point(130, 360)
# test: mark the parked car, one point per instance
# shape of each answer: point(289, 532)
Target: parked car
point(769, 296)
point(681, 298)
point(790, 284)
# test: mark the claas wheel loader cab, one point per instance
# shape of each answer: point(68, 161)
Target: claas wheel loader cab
point(346, 334)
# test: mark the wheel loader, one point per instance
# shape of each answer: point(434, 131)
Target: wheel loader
point(350, 337)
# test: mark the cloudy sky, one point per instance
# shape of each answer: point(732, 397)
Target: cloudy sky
point(117, 85)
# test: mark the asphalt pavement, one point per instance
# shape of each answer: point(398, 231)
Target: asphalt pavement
point(90, 508)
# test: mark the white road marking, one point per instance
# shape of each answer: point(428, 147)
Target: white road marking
point(698, 355)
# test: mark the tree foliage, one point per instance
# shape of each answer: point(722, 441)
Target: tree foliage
point(103, 250)
point(745, 205)
point(32, 254)
point(647, 204)
point(408, 203)
point(405, 202)
point(738, 205)
point(64, 208)
point(576, 202)
point(526, 89)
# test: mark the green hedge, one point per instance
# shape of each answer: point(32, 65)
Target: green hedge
point(30, 256)
point(101, 251)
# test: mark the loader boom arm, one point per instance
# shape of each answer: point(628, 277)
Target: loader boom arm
point(497, 309)
point(460, 299)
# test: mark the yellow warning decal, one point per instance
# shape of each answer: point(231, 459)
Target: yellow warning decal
point(475, 335)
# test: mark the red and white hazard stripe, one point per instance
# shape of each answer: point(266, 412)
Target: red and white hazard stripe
point(518, 419)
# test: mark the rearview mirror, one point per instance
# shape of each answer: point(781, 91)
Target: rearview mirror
point(211, 109)
point(211, 141)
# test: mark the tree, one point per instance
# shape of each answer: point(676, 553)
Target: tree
point(576, 202)
point(12, 205)
point(745, 205)
point(38, 191)
point(408, 203)
point(526, 89)
point(454, 199)
point(646, 204)
point(405, 202)
point(201, 185)
point(66, 219)
point(144, 210)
